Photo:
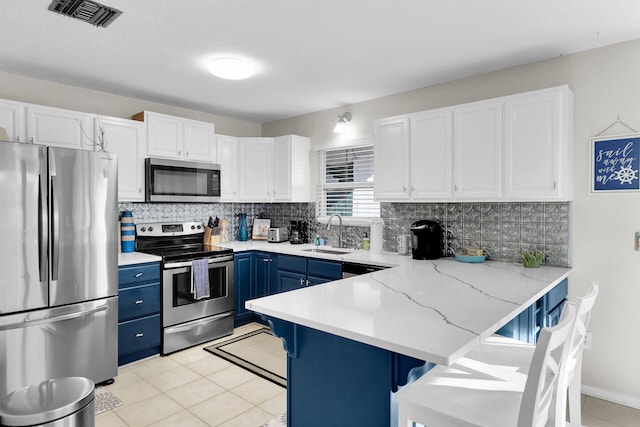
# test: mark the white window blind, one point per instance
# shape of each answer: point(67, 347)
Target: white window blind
point(345, 182)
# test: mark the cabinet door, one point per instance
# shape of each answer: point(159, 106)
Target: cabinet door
point(288, 280)
point(391, 157)
point(478, 150)
point(282, 170)
point(12, 120)
point(127, 139)
point(228, 159)
point(255, 179)
point(300, 169)
point(164, 135)
point(199, 141)
point(536, 145)
point(431, 151)
point(59, 128)
point(262, 277)
point(243, 282)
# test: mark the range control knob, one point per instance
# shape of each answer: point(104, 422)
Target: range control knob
point(143, 229)
point(150, 229)
point(193, 227)
point(199, 227)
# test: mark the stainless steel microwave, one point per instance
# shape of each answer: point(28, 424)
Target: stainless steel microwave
point(182, 181)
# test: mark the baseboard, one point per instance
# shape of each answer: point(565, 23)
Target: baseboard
point(619, 398)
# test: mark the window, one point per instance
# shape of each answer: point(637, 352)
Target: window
point(345, 182)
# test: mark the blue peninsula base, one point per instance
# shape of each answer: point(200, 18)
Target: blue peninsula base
point(335, 381)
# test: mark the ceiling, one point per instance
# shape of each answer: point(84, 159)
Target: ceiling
point(311, 55)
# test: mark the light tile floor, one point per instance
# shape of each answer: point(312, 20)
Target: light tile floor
point(194, 388)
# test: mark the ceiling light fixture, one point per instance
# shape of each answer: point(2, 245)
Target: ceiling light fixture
point(343, 123)
point(231, 68)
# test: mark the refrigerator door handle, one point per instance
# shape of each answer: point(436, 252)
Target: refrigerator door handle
point(48, 320)
point(43, 232)
point(55, 231)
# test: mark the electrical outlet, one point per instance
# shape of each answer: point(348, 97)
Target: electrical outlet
point(587, 341)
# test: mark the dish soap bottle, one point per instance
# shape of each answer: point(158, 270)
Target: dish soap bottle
point(365, 242)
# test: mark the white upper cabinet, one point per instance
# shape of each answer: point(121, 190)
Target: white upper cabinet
point(199, 141)
point(59, 128)
point(291, 169)
point(126, 138)
point(391, 159)
point(12, 120)
point(538, 140)
point(513, 148)
point(177, 138)
point(430, 155)
point(477, 141)
point(227, 155)
point(255, 169)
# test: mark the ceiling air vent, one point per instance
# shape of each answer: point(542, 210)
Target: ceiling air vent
point(89, 11)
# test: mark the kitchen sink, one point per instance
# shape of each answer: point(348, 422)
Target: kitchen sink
point(328, 251)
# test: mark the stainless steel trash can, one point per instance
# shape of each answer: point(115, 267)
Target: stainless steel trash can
point(61, 402)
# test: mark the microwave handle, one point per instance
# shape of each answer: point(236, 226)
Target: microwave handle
point(188, 263)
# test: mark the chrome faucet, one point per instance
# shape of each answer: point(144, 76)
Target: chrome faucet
point(340, 233)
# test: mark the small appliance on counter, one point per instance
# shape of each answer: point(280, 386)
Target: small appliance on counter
point(426, 241)
point(298, 232)
point(278, 234)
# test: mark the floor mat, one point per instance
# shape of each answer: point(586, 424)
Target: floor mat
point(281, 421)
point(259, 352)
point(105, 400)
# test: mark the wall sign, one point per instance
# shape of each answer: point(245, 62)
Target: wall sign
point(614, 163)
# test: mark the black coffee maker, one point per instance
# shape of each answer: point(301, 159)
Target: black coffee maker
point(298, 232)
point(426, 239)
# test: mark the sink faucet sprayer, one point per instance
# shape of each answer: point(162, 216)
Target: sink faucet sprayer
point(340, 233)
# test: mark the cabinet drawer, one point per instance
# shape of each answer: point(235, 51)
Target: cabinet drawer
point(138, 273)
point(557, 294)
point(292, 263)
point(328, 269)
point(138, 301)
point(138, 334)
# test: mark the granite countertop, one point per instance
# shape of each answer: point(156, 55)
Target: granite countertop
point(432, 310)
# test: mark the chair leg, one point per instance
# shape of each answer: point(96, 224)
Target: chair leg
point(575, 397)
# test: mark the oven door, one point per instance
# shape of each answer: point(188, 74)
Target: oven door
point(178, 303)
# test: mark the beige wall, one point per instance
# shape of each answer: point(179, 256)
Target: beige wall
point(606, 84)
point(42, 92)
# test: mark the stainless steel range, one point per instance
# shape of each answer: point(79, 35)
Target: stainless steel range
point(188, 318)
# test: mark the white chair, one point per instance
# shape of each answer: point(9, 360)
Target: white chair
point(483, 395)
point(515, 356)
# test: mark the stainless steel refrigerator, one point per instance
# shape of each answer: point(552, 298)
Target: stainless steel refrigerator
point(58, 264)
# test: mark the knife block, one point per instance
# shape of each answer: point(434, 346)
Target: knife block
point(211, 236)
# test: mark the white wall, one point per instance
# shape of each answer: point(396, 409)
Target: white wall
point(42, 92)
point(606, 84)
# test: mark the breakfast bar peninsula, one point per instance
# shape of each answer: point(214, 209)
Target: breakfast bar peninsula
point(351, 343)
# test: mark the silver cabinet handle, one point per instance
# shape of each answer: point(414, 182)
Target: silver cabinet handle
point(138, 275)
point(31, 140)
point(302, 282)
point(307, 282)
point(139, 301)
point(139, 335)
point(413, 188)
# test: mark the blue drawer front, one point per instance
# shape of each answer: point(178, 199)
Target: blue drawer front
point(138, 301)
point(292, 263)
point(557, 294)
point(328, 269)
point(138, 334)
point(138, 273)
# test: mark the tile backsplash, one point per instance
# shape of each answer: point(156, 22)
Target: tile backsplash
point(502, 229)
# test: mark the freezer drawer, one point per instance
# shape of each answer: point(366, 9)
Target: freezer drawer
point(74, 340)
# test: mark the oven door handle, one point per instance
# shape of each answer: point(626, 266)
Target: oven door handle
point(188, 263)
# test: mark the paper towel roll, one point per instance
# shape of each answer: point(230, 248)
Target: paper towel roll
point(376, 236)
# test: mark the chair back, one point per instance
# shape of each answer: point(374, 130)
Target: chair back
point(538, 406)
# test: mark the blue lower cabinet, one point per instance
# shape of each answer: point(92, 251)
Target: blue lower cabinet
point(138, 338)
point(335, 381)
point(253, 277)
point(296, 272)
point(138, 311)
point(543, 313)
